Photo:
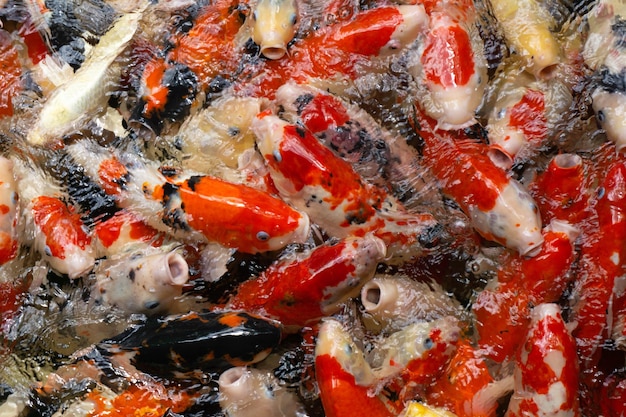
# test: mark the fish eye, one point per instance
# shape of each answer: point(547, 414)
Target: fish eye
point(601, 192)
point(428, 343)
point(294, 19)
point(254, 15)
point(263, 236)
point(601, 116)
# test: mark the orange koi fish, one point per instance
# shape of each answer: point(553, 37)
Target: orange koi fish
point(300, 291)
point(312, 178)
point(8, 212)
point(452, 66)
point(123, 232)
point(199, 206)
point(342, 49)
point(500, 208)
point(503, 313)
point(546, 372)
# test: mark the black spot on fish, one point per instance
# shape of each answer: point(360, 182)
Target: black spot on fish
point(131, 275)
point(611, 81)
point(302, 101)
point(300, 131)
point(192, 181)
point(619, 31)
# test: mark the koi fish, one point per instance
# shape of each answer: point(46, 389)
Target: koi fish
point(10, 74)
point(124, 232)
point(341, 49)
point(344, 376)
point(308, 175)
point(171, 81)
point(145, 282)
point(562, 190)
point(380, 157)
point(499, 207)
point(453, 69)
point(418, 353)
point(601, 262)
point(239, 394)
point(467, 387)
point(57, 230)
point(89, 86)
point(613, 395)
point(503, 313)
point(300, 291)
point(8, 212)
point(393, 302)
point(185, 344)
point(273, 26)
point(526, 25)
point(194, 206)
point(546, 373)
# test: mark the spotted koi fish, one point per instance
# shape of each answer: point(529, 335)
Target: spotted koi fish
point(499, 207)
point(200, 206)
point(123, 232)
point(546, 373)
point(309, 176)
point(298, 292)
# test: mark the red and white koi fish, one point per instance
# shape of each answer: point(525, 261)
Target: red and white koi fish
point(618, 313)
point(313, 179)
point(500, 208)
point(601, 263)
point(124, 232)
point(343, 375)
point(194, 206)
point(89, 87)
point(379, 156)
point(146, 282)
point(524, 114)
point(393, 302)
point(274, 26)
point(563, 190)
point(452, 67)
point(250, 392)
point(340, 50)
point(502, 313)
point(546, 372)
point(298, 292)
point(57, 230)
point(8, 212)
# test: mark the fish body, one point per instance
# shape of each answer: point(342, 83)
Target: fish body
point(499, 207)
point(340, 50)
point(123, 232)
point(344, 376)
point(503, 313)
point(10, 74)
point(526, 25)
point(298, 292)
point(562, 191)
point(88, 88)
point(452, 65)
point(308, 175)
point(546, 373)
point(186, 205)
point(184, 344)
point(274, 26)
point(9, 212)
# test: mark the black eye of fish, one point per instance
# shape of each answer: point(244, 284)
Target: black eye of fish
point(601, 117)
point(428, 343)
point(262, 236)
